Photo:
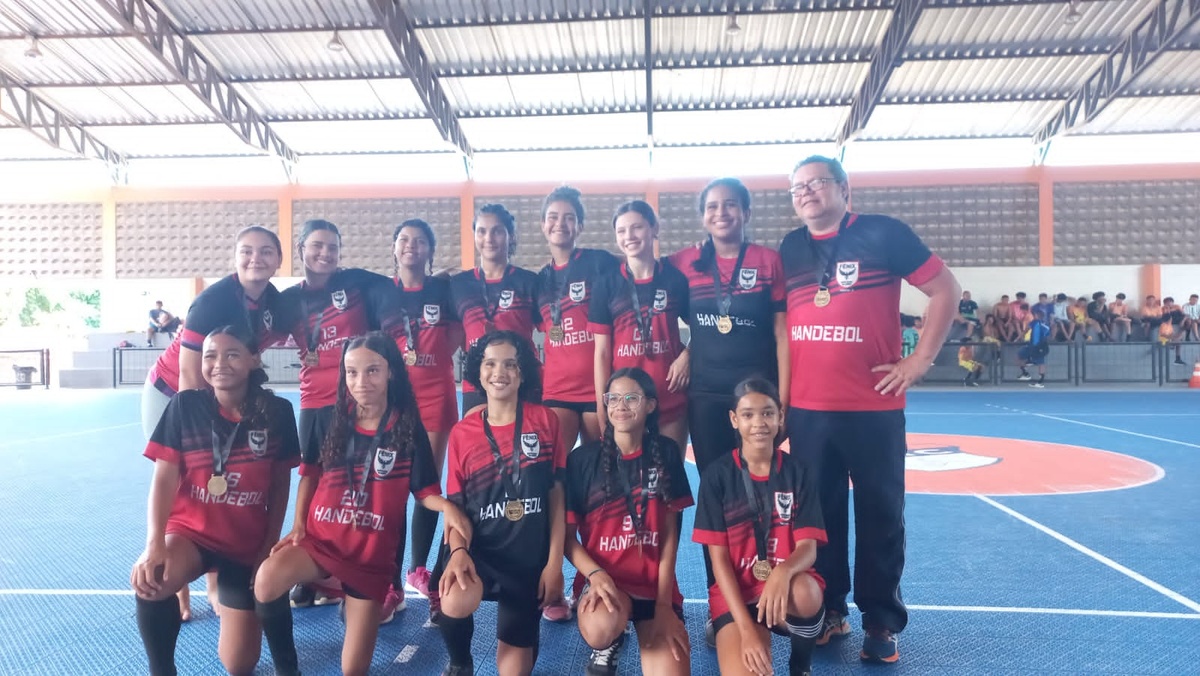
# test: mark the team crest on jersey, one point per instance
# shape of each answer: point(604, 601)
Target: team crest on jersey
point(660, 300)
point(747, 278)
point(506, 298)
point(339, 299)
point(945, 459)
point(385, 460)
point(258, 442)
point(847, 273)
point(433, 314)
point(530, 445)
point(652, 479)
point(783, 505)
point(578, 291)
point(268, 320)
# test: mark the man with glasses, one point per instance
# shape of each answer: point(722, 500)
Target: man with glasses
point(846, 414)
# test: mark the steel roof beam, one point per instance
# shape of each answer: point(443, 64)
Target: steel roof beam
point(416, 64)
point(35, 115)
point(179, 54)
point(1146, 41)
point(887, 57)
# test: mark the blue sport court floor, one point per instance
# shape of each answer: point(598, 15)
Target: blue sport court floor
point(1048, 533)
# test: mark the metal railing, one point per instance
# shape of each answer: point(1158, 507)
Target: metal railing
point(131, 364)
point(25, 369)
point(1075, 363)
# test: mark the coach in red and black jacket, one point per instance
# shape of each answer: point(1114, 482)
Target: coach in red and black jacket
point(846, 414)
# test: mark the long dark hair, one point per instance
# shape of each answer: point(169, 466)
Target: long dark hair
point(708, 251)
point(527, 363)
point(400, 400)
point(255, 406)
point(758, 385)
point(425, 230)
point(651, 439)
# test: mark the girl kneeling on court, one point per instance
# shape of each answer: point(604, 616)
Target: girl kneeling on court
point(505, 470)
point(351, 506)
point(759, 517)
point(624, 497)
point(222, 469)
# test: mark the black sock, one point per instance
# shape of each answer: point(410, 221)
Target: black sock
point(158, 622)
point(1041, 377)
point(424, 523)
point(803, 632)
point(1024, 372)
point(276, 619)
point(457, 633)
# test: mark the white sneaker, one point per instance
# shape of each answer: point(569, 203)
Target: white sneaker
point(1024, 376)
point(1038, 386)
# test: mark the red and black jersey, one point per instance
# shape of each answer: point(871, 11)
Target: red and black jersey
point(756, 292)
point(474, 482)
point(663, 299)
point(222, 304)
point(725, 517)
point(425, 313)
point(510, 301)
point(357, 523)
point(834, 348)
point(570, 362)
point(597, 505)
point(233, 524)
point(321, 320)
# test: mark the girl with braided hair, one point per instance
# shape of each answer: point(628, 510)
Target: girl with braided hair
point(352, 502)
point(624, 496)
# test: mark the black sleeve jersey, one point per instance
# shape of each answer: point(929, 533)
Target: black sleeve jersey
point(510, 302)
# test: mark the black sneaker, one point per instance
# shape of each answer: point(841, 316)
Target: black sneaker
point(1180, 361)
point(467, 669)
point(881, 646)
point(710, 634)
point(302, 596)
point(604, 662)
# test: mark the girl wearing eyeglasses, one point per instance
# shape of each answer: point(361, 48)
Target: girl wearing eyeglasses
point(624, 497)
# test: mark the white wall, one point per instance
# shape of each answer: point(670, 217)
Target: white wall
point(1180, 281)
point(988, 284)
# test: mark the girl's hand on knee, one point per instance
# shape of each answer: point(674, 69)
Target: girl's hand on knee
point(772, 605)
point(601, 590)
point(291, 539)
point(144, 578)
point(460, 570)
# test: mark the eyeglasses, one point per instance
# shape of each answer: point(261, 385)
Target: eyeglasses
point(815, 185)
point(631, 400)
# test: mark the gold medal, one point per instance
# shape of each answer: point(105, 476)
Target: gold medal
point(822, 298)
point(410, 358)
point(761, 570)
point(724, 324)
point(217, 485)
point(312, 358)
point(556, 333)
point(514, 510)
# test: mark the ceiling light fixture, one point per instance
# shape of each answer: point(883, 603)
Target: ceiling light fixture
point(731, 25)
point(1073, 14)
point(335, 43)
point(34, 52)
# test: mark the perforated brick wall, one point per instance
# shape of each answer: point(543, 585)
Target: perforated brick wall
point(771, 217)
point(367, 226)
point(1111, 223)
point(51, 240)
point(185, 239)
point(527, 211)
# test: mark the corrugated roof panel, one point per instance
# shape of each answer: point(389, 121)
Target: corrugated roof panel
point(546, 93)
point(564, 131)
point(19, 144)
point(1170, 71)
point(959, 120)
point(1150, 114)
point(456, 11)
point(791, 85)
point(124, 105)
point(525, 47)
point(174, 140)
point(301, 55)
point(349, 98)
point(1039, 23)
point(48, 17)
point(1056, 75)
point(84, 61)
point(362, 136)
point(697, 38)
point(206, 15)
point(786, 125)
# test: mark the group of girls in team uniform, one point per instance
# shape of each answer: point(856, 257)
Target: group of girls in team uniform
point(379, 420)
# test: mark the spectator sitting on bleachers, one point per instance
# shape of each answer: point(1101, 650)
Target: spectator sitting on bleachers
point(161, 321)
point(1046, 306)
point(1171, 329)
point(1020, 315)
point(968, 314)
point(1122, 324)
point(1150, 318)
point(1079, 318)
point(911, 334)
point(1062, 324)
point(966, 359)
point(1002, 313)
point(1099, 319)
point(991, 333)
point(1191, 318)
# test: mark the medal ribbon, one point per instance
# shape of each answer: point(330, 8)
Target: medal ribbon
point(489, 310)
point(222, 447)
point(556, 304)
point(314, 334)
point(368, 460)
point(724, 301)
point(248, 314)
point(410, 335)
point(510, 473)
point(762, 517)
point(644, 320)
point(825, 268)
point(637, 515)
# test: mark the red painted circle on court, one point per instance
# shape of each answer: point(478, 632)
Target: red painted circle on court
point(954, 464)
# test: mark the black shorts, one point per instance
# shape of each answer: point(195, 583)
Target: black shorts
point(1032, 355)
point(233, 579)
point(354, 593)
point(518, 615)
point(752, 608)
point(642, 609)
point(314, 426)
point(577, 407)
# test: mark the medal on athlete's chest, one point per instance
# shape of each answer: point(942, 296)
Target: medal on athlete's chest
point(761, 570)
point(217, 485)
point(724, 323)
point(822, 297)
point(514, 510)
point(312, 358)
point(556, 333)
point(410, 358)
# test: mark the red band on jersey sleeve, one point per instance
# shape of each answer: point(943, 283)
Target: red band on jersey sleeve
point(710, 537)
point(191, 340)
point(310, 469)
point(928, 270)
point(428, 491)
point(681, 503)
point(157, 451)
point(809, 533)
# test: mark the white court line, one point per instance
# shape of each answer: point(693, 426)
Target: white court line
point(1132, 574)
point(1024, 413)
point(64, 435)
point(66, 592)
point(1116, 429)
point(406, 654)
